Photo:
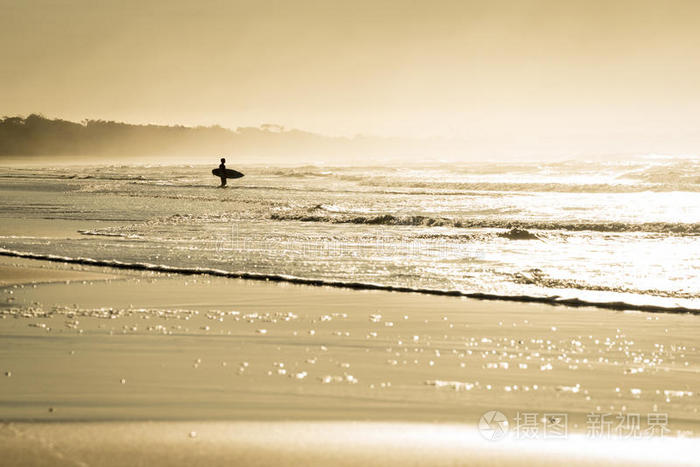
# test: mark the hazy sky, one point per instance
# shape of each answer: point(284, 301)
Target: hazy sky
point(467, 69)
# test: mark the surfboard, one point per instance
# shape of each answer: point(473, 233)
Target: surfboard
point(228, 173)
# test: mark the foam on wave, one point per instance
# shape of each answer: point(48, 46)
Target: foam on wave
point(428, 221)
point(106, 233)
point(537, 187)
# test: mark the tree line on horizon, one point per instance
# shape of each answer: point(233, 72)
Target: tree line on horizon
point(36, 135)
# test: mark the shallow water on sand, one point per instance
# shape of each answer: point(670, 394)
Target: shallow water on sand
point(625, 231)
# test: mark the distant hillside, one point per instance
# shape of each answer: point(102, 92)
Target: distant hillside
point(36, 135)
point(37, 138)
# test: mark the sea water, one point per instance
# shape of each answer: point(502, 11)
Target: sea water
point(620, 233)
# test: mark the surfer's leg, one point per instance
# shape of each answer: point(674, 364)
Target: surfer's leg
point(223, 181)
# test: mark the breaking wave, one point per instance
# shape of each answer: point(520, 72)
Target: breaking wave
point(529, 187)
point(551, 300)
point(428, 221)
point(537, 277)
point(107, 233)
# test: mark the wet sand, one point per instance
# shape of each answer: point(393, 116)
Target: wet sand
point(18, 271)
point(314, 443)
point(264, 372)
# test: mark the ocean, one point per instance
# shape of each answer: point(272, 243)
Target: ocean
point(621, 234)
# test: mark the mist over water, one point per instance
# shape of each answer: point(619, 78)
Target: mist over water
point(602, 232)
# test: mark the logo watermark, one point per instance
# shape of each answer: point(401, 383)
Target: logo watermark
point(495, 425)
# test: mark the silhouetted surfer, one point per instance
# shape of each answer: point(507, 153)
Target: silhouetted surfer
point(223, 173)
point(222, 168)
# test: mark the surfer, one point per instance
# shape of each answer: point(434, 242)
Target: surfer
point(222, 168)
point(223, 173)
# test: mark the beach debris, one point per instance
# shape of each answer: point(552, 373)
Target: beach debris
point(261, 331)
point(192, 434)
point(8, 373)
point(123, 381)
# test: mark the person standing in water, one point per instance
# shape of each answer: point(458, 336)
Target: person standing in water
point(222, 167)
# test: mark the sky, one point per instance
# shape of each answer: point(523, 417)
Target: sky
point(576, 72)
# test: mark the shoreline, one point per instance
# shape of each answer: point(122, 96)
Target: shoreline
point(552, 301)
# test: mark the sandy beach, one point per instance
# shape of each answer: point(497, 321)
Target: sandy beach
point(200, 364)
point(349, 233)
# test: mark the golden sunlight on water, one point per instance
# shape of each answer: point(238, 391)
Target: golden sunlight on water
point(349, 233)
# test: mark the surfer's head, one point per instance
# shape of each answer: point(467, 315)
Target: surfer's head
point(223, 160)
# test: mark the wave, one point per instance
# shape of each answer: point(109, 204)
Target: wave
point(552, 187)
point(59, 176)
point(427, 221)
point(390, 181)
point(552, 300)
point(104, 233)
point(683, 172)
point(537, 277)
point(306, 189)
